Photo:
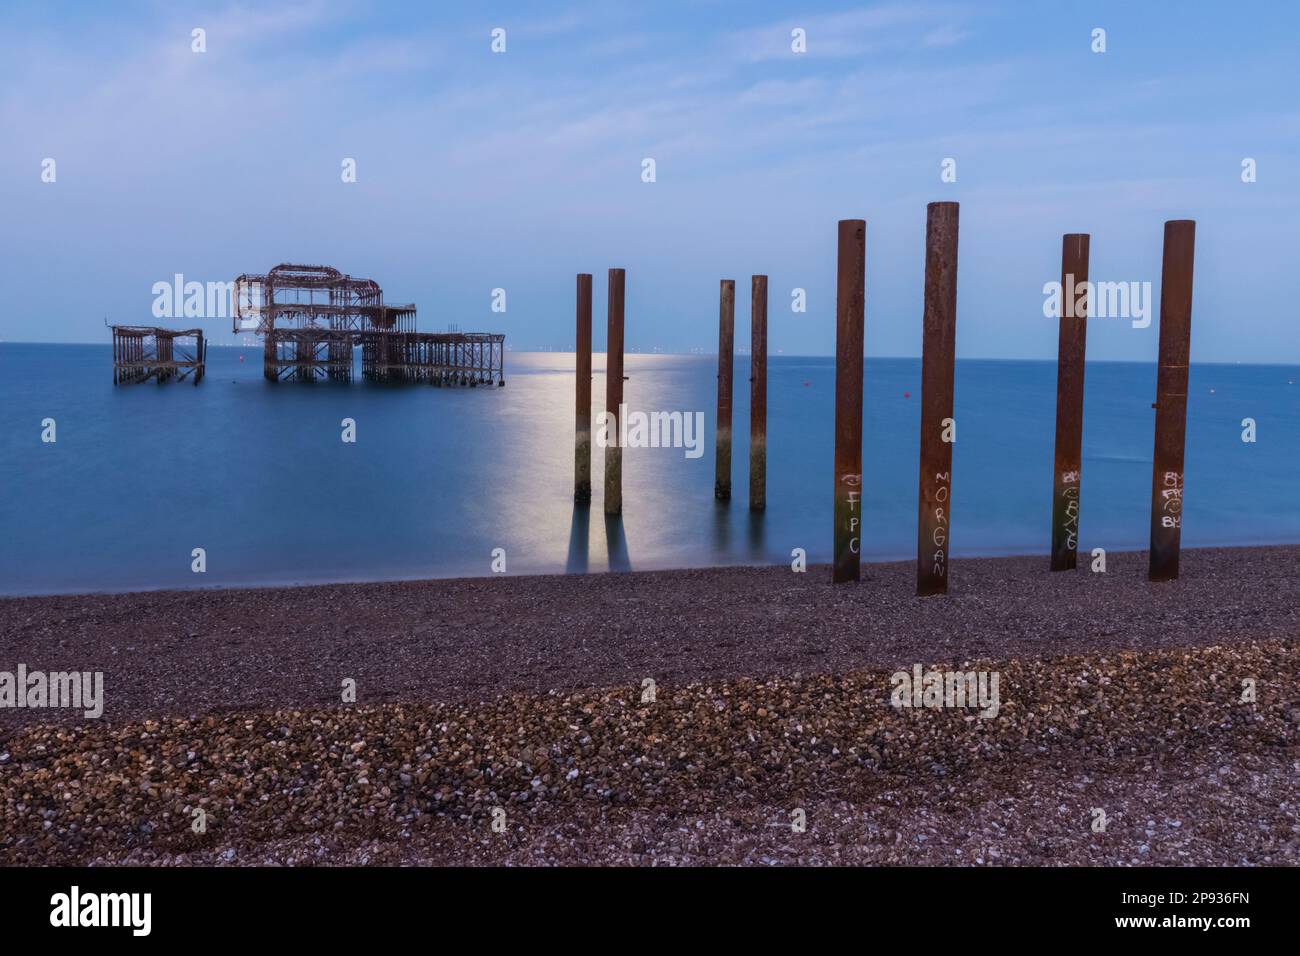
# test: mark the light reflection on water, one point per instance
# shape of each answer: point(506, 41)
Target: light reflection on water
point(256, 474)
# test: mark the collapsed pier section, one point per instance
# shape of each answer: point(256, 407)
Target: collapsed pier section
point(142, 352)
point(437, 358)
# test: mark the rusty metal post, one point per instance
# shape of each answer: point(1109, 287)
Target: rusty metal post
point(726, 360)
point(850, 297)
point(758, 394)
point(938, 430)
point(582, 414)
point(1171, 398)
point(1067, 467)
point(270, 352)
point(614, 395)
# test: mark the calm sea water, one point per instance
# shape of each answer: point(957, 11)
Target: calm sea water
point(256, 474)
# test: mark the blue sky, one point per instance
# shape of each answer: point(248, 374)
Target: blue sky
point(478, 170)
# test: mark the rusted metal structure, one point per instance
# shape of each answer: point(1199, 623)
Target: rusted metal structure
point(1171, 398)
point(437, 358)
point(144, 352)
point(758, 394)
point(726, 363)
point(1068, 463)
point(582, 399)
point(850, 318)
point(311, 318)
point(306, 354)
point(614, 393)
point(938, 429)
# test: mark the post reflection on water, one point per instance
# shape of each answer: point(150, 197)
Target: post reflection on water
point(579, 558)
point(616, 544)
point(440, 478)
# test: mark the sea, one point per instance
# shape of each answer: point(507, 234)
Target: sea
point(451, 482)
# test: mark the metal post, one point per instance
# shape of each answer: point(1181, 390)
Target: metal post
point(1171, 398)
point(758, 394)
point(582, 416)
point(614, 394)
point(1067, 468)
point(938, 429)
point(726, 360)
point(850, 294)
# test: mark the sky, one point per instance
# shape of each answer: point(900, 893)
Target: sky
point(479, 170)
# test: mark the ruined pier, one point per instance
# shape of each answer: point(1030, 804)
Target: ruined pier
point(437, 358)
point(143, 352)
point(311, 318)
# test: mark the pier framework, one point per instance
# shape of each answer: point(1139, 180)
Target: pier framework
point(312, 317)
point(438, 358)
point(307, 354)
point(143, 352)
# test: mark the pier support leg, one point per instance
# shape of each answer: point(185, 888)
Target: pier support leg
point(582, 415)
point(726, 362)
point(850, 295)
point(758, 394)
point(614, 394)
point(938, 429)
point(1067, 467)
point(1171, 398)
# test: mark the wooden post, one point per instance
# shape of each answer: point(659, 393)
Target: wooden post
point(582, 412)
point(1171, 398)
point(614, 394)
point(726, 361)
point(758, 394)
point(1067, 468)
point(850, 295)
point(938, 429)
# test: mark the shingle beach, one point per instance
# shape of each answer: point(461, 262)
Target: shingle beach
point(510, 720)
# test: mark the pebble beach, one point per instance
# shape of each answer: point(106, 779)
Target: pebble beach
point(512, 720)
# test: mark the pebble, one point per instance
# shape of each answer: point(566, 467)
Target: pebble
point(904, 781)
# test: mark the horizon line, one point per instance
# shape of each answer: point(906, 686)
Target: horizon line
point(960, 358)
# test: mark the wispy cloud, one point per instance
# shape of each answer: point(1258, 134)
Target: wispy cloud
point(479, 170)
point(852, 33)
